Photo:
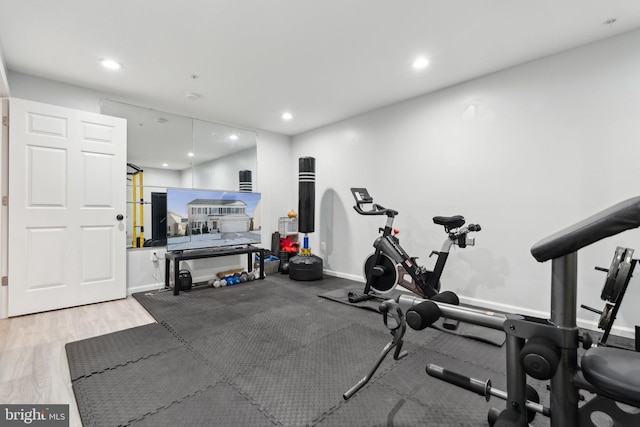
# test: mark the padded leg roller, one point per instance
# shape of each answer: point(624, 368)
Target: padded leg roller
point(540, 358)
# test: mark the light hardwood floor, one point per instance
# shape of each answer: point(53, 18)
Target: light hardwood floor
point(33, 361)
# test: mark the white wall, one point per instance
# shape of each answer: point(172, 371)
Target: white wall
point(544, 145)
point(55, 93)
point(222, 173)
point(273, 152)
point(276, 181)
point(548, 143)
point(4, 82)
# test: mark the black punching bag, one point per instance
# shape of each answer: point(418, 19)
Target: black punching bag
point(306, 194)
point(245, 182)
point(306, 266)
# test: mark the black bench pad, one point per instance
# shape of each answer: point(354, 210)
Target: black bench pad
point(615, 372)
point(616, 219)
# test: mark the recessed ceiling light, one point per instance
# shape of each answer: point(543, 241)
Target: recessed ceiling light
point(190, 154)
point(192, 95)
point(420, 62)
point(165, 165)
point(286, 116)
point(111, 64)
point(160, 120)
point(233, 137)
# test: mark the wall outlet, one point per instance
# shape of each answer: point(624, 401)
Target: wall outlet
point(323, 246)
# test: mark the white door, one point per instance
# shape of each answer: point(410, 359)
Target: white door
point(67, 190)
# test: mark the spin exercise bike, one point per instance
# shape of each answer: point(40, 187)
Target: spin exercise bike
point(545, 349)
point(390, 263)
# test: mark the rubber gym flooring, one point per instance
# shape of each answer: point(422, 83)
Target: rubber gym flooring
point(272, 352)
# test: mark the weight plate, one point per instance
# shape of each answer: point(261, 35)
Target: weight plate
point(387, 281)
point(621, 279)
point(609, 282)
point(605, 317)
point(533, 396)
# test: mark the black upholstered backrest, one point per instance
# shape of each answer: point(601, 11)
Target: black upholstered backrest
point(616, 219)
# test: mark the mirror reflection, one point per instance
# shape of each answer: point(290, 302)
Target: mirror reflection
point(220, 152)
point(166, 150)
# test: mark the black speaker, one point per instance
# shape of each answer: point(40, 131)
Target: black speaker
point(184, 280)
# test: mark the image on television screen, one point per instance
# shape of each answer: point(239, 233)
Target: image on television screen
point(199, 219)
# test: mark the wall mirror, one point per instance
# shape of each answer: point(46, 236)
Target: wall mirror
point(168, 150)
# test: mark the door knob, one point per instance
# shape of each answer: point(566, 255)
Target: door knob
point(119, 217)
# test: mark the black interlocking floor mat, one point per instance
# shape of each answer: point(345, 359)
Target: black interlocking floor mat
point(271, 352)
point(108, 351)
point(220, 405)
point(120, 395)
point(306, 384)
point(378, 405)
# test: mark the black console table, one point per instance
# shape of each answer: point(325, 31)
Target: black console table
point(178, 256)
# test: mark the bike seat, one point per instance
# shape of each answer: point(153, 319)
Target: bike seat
point(614, 372)
point(449, 221)
point(616, 219)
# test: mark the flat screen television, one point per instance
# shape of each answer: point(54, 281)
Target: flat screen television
point(199, 219)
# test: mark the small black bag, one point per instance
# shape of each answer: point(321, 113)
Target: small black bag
point(184, 280)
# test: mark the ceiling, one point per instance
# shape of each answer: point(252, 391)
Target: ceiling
point(323, 61)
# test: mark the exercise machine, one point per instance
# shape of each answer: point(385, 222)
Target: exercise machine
point(618, 276)
point(545, 349)
point(390, 264)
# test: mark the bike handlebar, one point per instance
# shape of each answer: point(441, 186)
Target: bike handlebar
point(461, 238)
point(376, 210)
point(465, 230)
point(362, 197)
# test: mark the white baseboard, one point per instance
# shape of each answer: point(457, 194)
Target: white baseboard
point(344, 275)
point(145, 288)
point(625, 332)
point(590, 325)
point(621, 331)
point(506, 308)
